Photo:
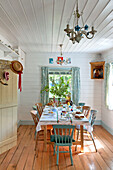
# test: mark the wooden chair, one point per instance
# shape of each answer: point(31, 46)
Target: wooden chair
point(81, 104)
point(65, 138)
point(39, 136)
point(39, 108)
point(35, 118)
point(49, 127)
point(88, 128)
point(86, 111)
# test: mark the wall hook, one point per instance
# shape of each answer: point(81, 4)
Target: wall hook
point(1, 81)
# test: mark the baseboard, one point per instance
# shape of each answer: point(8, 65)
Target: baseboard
point(30, 122)
point(98, 122)
point(107, 128)
point(18, 124)
point(25, 122)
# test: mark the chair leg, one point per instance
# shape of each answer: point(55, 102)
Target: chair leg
point(93, 141)
point(54, 148)
point(77, 139)
point(51, 131)
point(36, 147)
point(77, 134)
point(36, 141)
point(57, 154)
point(71, 155)
point(35, 135)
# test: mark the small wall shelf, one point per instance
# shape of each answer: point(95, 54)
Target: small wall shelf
point(97, 70)
point(8, 50)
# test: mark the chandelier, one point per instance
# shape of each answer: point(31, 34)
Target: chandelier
point(76, 33)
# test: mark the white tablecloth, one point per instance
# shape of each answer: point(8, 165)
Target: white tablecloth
point(51, 119)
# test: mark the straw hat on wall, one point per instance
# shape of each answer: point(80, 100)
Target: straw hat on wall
point(16, 67)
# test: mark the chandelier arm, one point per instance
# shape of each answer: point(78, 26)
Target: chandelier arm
point(77, 12)
point(74, 20)
point(82, 20)
point(90, 37)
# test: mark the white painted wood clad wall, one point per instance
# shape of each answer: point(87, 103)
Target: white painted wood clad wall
point(107, 115)
point(8, 113)
point(90, 89)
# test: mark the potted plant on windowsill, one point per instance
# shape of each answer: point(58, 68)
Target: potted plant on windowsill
point(59, 90)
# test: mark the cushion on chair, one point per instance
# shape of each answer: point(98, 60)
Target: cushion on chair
point(78, 127)
point(49, 127)
point(59, 139)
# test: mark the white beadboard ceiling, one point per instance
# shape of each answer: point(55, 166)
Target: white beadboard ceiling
point(38, 25)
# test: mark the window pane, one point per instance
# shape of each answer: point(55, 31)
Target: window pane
point(67, 76)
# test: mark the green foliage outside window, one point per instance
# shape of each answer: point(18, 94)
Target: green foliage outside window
point(59, 89)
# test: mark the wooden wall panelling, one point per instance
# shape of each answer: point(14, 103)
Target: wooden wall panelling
point(14, 120)
point(0, 94)
point(0, 124)
point(8, 93)
point(4, 124)
point(8, 128)
point(8, 112)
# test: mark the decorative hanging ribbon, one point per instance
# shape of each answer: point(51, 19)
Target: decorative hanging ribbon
point(19, 82)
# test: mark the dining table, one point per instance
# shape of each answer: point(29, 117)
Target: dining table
point(63, 115)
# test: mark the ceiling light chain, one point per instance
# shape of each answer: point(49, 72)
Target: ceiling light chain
point(76, 33)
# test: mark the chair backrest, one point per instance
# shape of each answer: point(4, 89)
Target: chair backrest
point(34, 116)
point(86, 111)
point(34, 107)
point(81, 104)
point(93, 117)
point(39, 108)
point(63, 134)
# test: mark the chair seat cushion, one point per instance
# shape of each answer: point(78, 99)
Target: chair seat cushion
point(78, 127)
point(49, 127)
point(66, 139)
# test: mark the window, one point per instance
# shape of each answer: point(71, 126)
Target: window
point(56, 74)
point(73, 74)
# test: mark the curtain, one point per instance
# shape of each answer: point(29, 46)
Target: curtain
point(44, 82)
point(109, 85)
point(75, 85)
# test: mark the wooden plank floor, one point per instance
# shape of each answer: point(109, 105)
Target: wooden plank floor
point(23, 155)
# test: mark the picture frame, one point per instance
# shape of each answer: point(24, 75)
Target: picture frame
point(97, 70)
point(51, 61)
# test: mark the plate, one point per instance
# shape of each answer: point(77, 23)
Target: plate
point(63, 118)
point(45, 113)
point(79, 117)
point(46, 106)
